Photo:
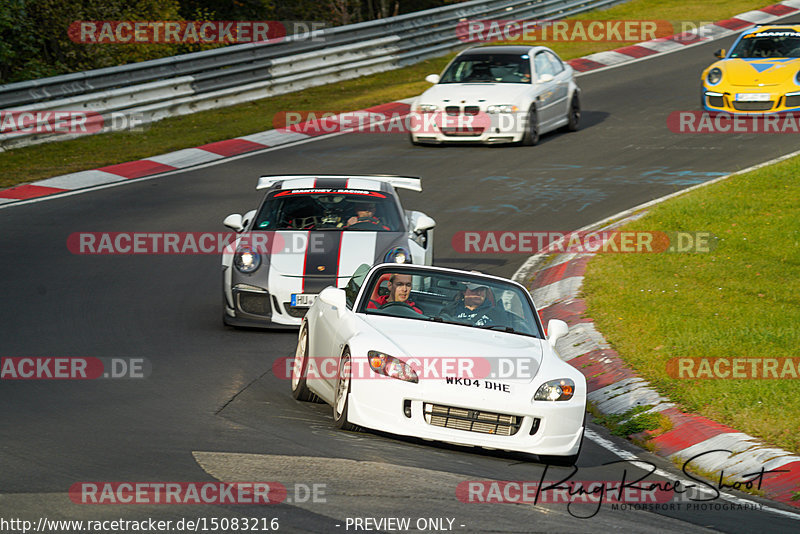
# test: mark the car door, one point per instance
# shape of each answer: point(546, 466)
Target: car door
point(546, 89)
point(561, 83)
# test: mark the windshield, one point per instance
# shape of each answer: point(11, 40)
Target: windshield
point(492, 68)
point(329, 209)
point(468, 300)
point(771, 43)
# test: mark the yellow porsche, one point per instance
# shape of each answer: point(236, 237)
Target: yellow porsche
point(760, 73)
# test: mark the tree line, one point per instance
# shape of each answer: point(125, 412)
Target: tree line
point(35, 40)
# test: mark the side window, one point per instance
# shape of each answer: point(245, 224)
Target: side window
point(542, 65)
point(558, 67)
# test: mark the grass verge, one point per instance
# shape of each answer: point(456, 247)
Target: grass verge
point(739, 300)
point(37, 162)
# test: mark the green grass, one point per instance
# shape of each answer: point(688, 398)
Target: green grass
point(739, 300)
point(633, 421)
point(37, 162)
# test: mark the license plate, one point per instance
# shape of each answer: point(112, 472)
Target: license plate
point(302, 300)
point(753, 97)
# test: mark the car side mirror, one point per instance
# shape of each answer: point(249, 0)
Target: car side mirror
point(720, 53)
point(544, 78)
point(423, 224)
point(334, 297)
point(556, 329)
point(432, 78)
point(234, 222)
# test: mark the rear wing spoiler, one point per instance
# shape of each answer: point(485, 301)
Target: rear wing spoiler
point(414, 183)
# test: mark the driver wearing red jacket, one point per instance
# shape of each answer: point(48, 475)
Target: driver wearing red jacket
point(399, 291)
point(365, 215)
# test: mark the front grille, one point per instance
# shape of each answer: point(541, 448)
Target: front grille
point(753, 106)
point(462, 132)
point(472, 420)
point(793, 101)
point(716, 101)
point(254, 303)
point(452, 110)
point(471, 110)
point(294, 312)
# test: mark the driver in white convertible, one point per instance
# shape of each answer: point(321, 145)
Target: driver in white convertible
point(399, 290)
point(476, 306)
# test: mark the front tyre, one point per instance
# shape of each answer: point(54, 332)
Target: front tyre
point(300, 389)
point(574, 117)
point(531, 136)
point(340, 401)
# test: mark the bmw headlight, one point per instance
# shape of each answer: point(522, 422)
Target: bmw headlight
point(502, 108)
point(714, 76)
point(246, 259)
point(427, 108)
point(383, 364)
point(397, 255)
point(561, 389)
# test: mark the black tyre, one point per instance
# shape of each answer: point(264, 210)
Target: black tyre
point(574, 114)
point(340, 398)
point(300, 390)
point(531, 136)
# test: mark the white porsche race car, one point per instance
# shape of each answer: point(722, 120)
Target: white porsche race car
point(497, 94)
point(312, 231)
point(441, 354)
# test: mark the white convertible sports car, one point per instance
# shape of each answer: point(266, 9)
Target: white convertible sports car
point(497, 94)
point(310, 232)
point(441, 354)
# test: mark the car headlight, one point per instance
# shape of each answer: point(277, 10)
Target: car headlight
point(383, 364)
point(246, 259)
point(427, 108)
point(502, 108)
point(561, 389)
point(397, 255)
point(714, 76)
point(797, 78)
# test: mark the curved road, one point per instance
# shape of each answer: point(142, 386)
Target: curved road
point(213, 408)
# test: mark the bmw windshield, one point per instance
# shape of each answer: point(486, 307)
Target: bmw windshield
point(492, 68)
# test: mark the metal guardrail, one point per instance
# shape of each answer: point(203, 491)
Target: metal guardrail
point(178, 85)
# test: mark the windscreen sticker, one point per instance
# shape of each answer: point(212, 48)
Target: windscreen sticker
point(360, 192)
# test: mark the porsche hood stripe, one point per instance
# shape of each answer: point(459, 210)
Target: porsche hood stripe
point(321, 261)
point(357, 248)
